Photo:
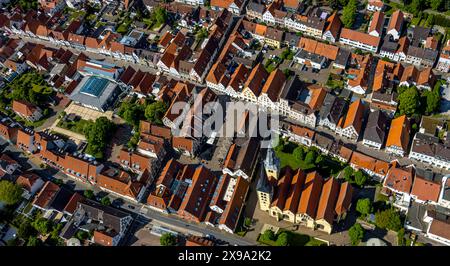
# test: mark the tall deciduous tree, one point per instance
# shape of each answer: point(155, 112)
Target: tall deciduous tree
point(349, 13)
point(409, 101)
point(154, 112)
point(10, 193)
point(356, 233)
point(364, 206)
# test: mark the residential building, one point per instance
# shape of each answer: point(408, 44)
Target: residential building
point(27, 110)
point(395, 26)
point(350, 125)
point(376, 130)
point(399, 136)
point(360, 40)
point(332, 110)
point(443, 64)
point(376, 24)
point(422, 79)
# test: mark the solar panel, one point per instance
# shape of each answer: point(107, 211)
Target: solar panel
point(94, 86)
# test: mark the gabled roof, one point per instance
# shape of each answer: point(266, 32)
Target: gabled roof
point(46, 195)
point(24, 108)
point(328, 199)
point(377, 23)
point(256, 79)
point(27, 180)
point(354, 116)
point(230, 215)
point(360, 37)
point(376, 127)
point(344, 199)
point(274, 84)
point(310, 194)
point(399, 133)
point(396, 21)
point(334, 24)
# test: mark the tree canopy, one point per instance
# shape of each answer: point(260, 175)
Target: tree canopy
point(349, 13)
point(97, 136)
point(154, 112)
point(356, 233)
point(88, 194)
point(409, 101)
point(10, 193)
point(106, 201)
point(364, 206)
point(34, 241)
point(388, 219)
point(283, 239)
point(168, 239)
point(268, 235)
point(30, 87)
point(42, 225)
point(360, 178)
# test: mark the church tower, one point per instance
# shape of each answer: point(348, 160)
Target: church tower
point(264, 190)
point(272, 164)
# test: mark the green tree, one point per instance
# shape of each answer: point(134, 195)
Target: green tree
point(348, 174)
point(88, 194)
point(106, 201)
point(436, 4)
point(34, 241)
point(364, 206)
point(10, 193)
point(416, 6)
point(82, 235)
point(154, 112)
point(26, 230)
point(360, 178)
point(268, 235)
point(388, 219)
point(132, 113)
point(356, 233)
point(409, 101)
point(97, 136)
point(167, 239)
point(349, 13)
point(310, 157)
point(299, 153)
point(283, 239)
point(433, 101)
point(42, 225)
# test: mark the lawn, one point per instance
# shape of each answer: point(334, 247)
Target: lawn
point(296, 240)
point(325, 165)
point(75, 126)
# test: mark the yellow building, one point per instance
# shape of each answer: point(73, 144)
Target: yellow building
point(310, 200)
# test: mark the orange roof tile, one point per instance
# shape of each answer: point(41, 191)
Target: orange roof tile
point(310, 195)
point(399, 133)
point(360, 37)
point(426, 190)
point(399, 179)
point(354, 116)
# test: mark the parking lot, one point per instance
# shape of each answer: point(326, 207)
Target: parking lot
point(309, 74)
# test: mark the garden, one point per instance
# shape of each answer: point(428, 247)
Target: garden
point(288, 238)
point(306, 158)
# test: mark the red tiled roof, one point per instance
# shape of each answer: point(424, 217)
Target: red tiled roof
point(360, 37)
